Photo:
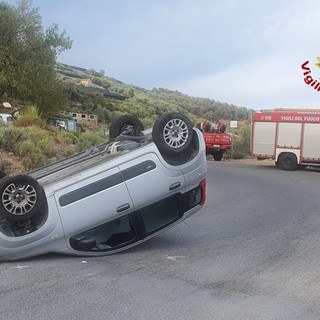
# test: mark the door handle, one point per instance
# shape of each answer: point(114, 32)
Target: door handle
point(174, 186)
point(124, 207)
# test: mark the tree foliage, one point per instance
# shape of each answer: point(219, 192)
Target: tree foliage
point(28, 56)
point(241, 141)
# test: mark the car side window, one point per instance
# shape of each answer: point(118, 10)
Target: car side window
point(108, 236)
point(129, 228)
point(160, 214)
point(119, 231)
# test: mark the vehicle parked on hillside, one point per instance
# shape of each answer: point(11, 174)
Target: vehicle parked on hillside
point(65, 124)
point(291, 137)
point(107, 198)
point(5, 117)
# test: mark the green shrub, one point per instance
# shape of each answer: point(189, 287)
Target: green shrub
point(42, 139)
point(69, 137)
point(241, 143)
point(87, 140)
point(11, 138)
point(32, 156)
point(30, 117)
point(237, 155)
point(34, 145)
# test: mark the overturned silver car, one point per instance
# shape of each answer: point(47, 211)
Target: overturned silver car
point(109, 197)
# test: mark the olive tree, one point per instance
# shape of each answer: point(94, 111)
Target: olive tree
point(28, 56)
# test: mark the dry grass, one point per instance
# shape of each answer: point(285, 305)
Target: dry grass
point(10, 163)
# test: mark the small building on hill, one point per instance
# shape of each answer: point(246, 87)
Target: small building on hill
point(85, 82)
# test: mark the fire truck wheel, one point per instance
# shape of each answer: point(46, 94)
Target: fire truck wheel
point(288, 161)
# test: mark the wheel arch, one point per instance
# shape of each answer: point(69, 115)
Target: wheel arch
point(280, 151)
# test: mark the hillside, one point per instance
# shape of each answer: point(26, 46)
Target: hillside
point(93, 92)
point(30, 143)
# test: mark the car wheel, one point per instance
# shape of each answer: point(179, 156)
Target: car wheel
point(172, 133)
point(217, 156)
point(21, 197)
point(288, 161)
point(127, 125)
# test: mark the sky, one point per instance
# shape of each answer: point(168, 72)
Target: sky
point(248, 53)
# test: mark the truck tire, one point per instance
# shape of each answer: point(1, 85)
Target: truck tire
point(127, 125)
point(288, 161)
point(21, 197)
point(172, 133)
point(217, 155)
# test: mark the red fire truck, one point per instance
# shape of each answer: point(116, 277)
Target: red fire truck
point(291, 137)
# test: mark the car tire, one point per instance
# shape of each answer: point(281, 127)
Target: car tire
point(127, 124)
point(172, 133)
point(21, 197)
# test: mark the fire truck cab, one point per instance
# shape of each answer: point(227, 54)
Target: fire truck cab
point(291, 137)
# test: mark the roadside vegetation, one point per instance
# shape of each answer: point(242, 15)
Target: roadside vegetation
point(241, 141)
point(38, 86)
point(28, 56)
point(29, 143)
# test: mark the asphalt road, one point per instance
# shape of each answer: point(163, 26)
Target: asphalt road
point(251, 253)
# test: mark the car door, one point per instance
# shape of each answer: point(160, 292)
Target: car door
point(92, 201)
point(149, 180)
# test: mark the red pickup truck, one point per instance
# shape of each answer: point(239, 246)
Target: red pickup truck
point(217, 142)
